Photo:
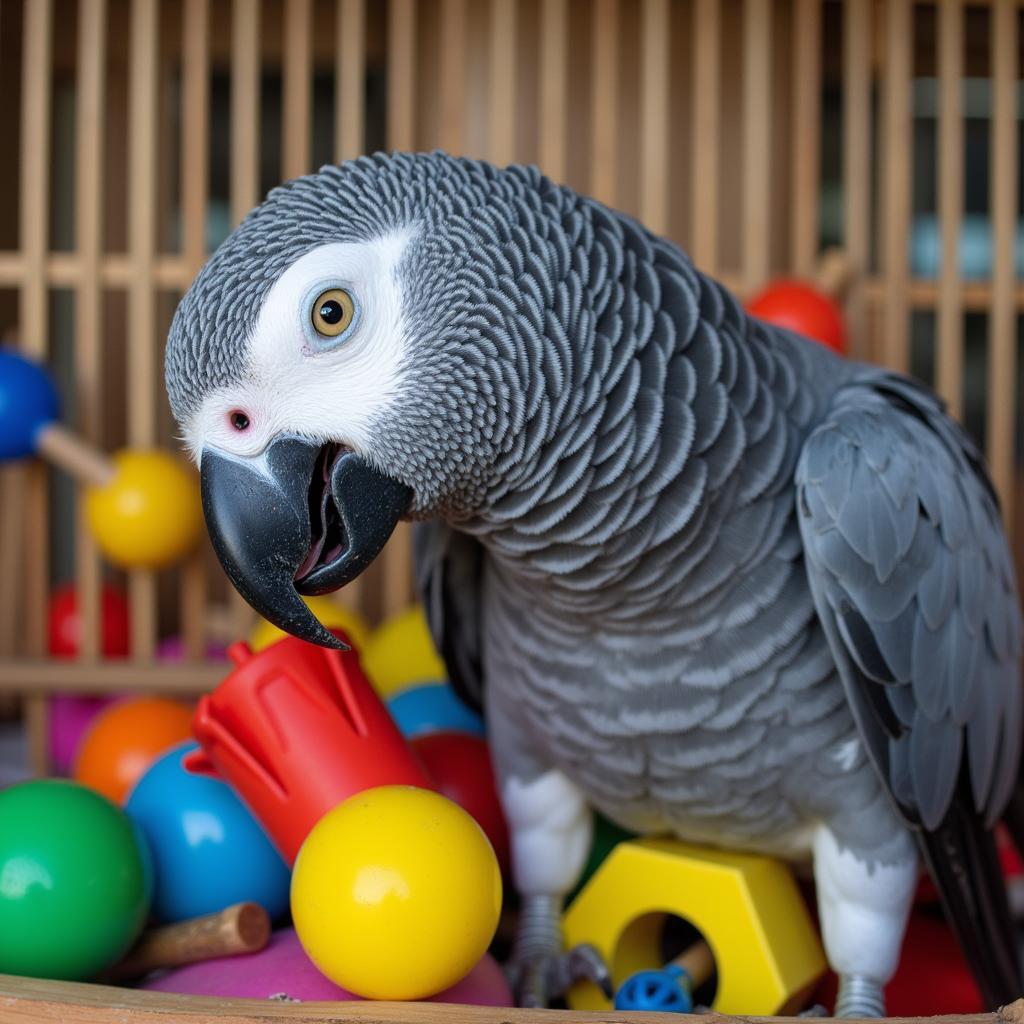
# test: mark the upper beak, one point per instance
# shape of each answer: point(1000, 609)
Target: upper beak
point(300, 519)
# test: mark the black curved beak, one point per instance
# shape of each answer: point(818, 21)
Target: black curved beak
point(300, 519)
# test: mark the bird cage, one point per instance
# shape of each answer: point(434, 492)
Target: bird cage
point(755, 133)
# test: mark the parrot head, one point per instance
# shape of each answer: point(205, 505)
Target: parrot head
point(336, 366)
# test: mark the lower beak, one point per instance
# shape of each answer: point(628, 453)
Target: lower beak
point(300, 519)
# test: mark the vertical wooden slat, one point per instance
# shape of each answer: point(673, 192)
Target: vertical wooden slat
point(757, 116)
point(296, 104)
point(245, 105)
point(806, 134)
point(402, 75)
point(89, 195)
point(195, 188)
point(12, 556)
point(34, 235)
point(707, 43)
point(604, 100)
point(245, 168)
point(553, 93)
point(896, 182)
point(1002, 359)
point(949, 365)
point(453, 75)
point(142, 352)
point(502, 112)
point(350, 79)
point(655, 131)
point(856, 164)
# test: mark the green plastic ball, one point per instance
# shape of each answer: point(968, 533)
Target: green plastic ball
point(75, 881)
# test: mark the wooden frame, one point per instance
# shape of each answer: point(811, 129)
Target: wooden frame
point(27, 999)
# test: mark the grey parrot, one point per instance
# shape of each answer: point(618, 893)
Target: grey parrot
point(704, 576)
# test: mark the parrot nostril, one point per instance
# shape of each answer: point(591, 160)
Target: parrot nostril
point(239, 420)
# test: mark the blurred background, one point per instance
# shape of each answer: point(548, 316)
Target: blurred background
point(756, 133)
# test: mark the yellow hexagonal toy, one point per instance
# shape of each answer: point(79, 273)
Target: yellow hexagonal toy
point(747, 907)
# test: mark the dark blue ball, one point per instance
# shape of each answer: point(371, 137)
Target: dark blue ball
point(208, 850)
point(28, 401)
point(666, 991)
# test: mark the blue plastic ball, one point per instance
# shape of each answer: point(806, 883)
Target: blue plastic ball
point(28, 401)
point(666, 990)
point(432, 707)
point(208, 850)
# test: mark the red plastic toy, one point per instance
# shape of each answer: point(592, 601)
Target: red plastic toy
point(804, 308)
point(65, 623)
point(460, 766)
point(296, 729)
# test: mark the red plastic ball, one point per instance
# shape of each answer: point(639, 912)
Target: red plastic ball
point(460, 766)
point(65, 623)
point(802, 308)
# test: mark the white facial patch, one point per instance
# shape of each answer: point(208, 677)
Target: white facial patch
point(294, 386)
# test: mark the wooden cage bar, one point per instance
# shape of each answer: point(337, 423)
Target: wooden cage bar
point(735, 89)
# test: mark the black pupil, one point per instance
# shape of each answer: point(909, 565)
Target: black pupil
point(239, 420)
point(331, 312)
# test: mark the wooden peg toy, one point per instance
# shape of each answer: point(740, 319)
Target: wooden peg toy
point(748, 908)
point(234, 931)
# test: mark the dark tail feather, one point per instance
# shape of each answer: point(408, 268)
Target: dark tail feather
point(961, 857)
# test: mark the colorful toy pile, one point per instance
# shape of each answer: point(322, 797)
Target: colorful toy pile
point(311, 771)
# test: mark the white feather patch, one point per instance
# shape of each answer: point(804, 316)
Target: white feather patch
point(290, 387)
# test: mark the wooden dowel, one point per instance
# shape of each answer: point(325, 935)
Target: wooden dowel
point(1002, 358)
point(401, 91)
point(806, 133)
point(604, 101)
point(89, 211)
point(79, 459)
point(142, 243)
point(896, 182)
point(296, 107)
point(234, 931)
point(453, 75)
point(655, 131)
point(34, 233)
point(950, 156)
point(350, 79)
point(707, 87)
point(757, 128)
point(856, 163)
point(833, 273)
point(245, 106)
point(698, 961)
point(553, 94)
point(502, 112)
point(37, 676)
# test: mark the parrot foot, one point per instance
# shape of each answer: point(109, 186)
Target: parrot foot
point(859, 997)
point(539, 970)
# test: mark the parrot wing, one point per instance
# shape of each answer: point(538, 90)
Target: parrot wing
point(449, 573)
point(913, 582)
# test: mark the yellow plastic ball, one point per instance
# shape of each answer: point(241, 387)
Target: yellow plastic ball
point(396, 893)
point(150, 515)
point(401, 654)
point(330, 614)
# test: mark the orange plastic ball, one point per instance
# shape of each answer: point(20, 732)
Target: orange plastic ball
point(803, 309)
point(125, 739)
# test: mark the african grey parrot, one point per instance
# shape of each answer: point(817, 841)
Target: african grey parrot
point(705, 576)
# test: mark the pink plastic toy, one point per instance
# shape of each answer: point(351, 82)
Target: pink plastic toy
point(284, 967)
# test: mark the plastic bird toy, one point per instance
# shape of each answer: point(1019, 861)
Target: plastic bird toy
point(142, 507)
point(705, 575)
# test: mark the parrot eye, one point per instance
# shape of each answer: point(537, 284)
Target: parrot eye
point(239, 420)
point(333, 312)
